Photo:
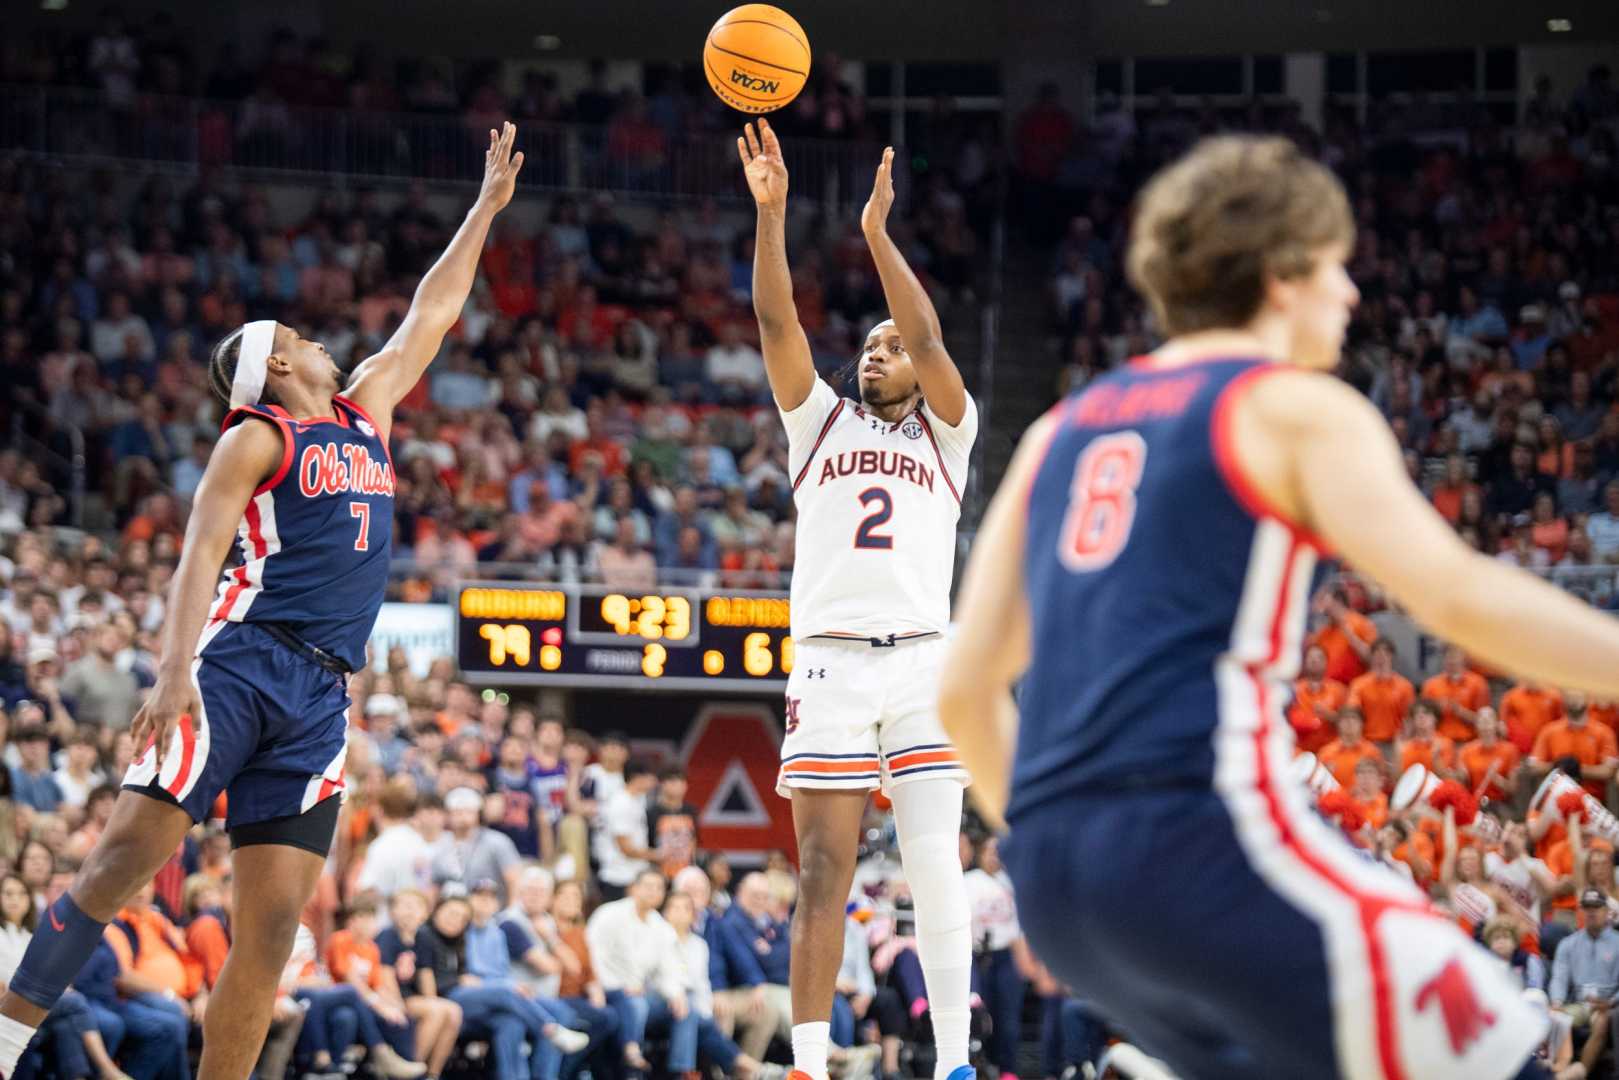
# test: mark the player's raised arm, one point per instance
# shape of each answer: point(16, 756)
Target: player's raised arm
point(788, 363)
point(1346, 480)
point(244, 457)
point(989, 646)
point(909, 306)
point(382, 380)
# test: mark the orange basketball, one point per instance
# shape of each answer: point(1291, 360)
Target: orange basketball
point(756, 58)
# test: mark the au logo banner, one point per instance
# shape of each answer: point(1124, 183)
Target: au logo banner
point(731, 754)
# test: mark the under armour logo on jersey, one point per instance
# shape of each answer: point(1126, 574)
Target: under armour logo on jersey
point(1465, 1017)
point(792, 714)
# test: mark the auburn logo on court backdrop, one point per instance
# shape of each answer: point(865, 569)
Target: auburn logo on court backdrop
point(1466, 1019)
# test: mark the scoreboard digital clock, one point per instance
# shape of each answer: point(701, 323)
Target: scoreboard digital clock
point(592, 635)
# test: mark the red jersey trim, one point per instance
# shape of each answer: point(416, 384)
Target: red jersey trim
point(1241, 487)
point(938, 456)
point(238, 414)
point(826, 429)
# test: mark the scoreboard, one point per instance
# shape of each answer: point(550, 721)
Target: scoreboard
point(596, 636)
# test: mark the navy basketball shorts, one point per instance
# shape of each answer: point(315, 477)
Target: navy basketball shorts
point(1238, 935)
point(272, 734)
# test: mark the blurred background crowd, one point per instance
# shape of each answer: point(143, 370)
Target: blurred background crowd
point(600, 414)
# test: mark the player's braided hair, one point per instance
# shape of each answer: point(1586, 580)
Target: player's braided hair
point(222, 368)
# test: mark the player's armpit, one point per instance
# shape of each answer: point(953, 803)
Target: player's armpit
point(1322, 454)
point(989, 649)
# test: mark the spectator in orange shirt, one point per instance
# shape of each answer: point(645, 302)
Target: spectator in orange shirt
point(206, 933)
point(1461, 693)
point(1407, 849)
point(1346, 639)
point(1383, 696)
point(1592, 745)
point(352, 957)
point(1490, 762)
point(1342, 755)
point(1424, 746)
point(1527, 708)
point(1368, 791)
point(1316, 701)
point(1604, 712)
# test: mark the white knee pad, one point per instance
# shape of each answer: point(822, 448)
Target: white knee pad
point(927, 816)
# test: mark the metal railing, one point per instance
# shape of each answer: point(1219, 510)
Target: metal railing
point(271, 138)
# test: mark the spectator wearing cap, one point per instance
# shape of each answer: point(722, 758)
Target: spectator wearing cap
point(631, 946)
point(1460, 693)
point(1592, 745)
point(1316, 701)
point(399, 858)
point(103, 693)
point(628, 849)
point(383, 713)
point(472, 852)
point(32, 782)
point(1383, 696)
point(44, 687)
point(1585, 975)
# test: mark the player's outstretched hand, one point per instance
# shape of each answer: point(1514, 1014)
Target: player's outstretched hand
point(763, 164)
point(155, 722)
point(500, 168)
point(874, 218)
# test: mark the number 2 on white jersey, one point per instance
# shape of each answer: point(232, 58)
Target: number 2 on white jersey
point(1102, 501)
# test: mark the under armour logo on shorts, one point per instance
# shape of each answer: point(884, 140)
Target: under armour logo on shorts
point(815, 673)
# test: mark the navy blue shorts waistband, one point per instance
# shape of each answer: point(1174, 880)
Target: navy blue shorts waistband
point(314, 653)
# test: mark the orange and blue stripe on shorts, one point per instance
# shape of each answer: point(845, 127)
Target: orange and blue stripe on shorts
point(832, 769)
point(933, 757)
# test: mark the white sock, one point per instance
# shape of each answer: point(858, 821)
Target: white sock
point(809, 1047)
point(952, 1024)
point(14, 1038)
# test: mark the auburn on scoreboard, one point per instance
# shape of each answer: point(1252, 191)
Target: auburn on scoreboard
point(593, 635)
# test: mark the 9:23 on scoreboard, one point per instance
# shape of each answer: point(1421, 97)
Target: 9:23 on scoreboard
point(596, 636)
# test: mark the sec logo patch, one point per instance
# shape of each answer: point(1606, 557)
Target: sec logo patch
point(912, 428)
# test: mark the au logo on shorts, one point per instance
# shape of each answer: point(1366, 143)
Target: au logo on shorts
point(792, 714)
point(912, 428)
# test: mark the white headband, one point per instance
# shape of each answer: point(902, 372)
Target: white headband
point(248, 384)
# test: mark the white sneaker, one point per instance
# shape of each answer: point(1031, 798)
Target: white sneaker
point(568, 1040)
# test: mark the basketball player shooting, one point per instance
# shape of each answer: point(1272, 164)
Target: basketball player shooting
point(251, 696)
point(877, 485)
point(1145, 571)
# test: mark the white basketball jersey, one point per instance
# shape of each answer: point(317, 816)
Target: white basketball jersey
point(877, 510)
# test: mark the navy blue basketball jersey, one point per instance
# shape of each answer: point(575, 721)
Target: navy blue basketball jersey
point(316, 536)
point(1167, 602)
